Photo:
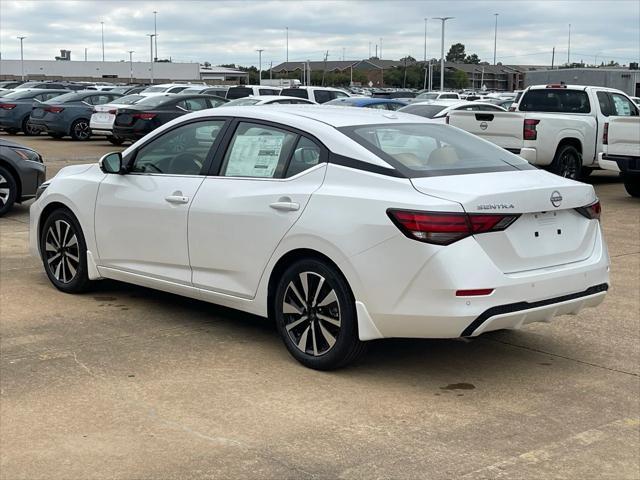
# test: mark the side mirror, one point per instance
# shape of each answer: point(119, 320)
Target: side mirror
point(111, 163)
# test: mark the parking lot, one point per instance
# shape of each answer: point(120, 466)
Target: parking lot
point(129, 382)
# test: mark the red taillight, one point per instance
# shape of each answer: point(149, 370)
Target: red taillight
point(143, 116)
point(478, 292)
point(605, 134)
point(53, 109)
point(7, 106)
point(592, 212)
point(529, 131)
point(442, 228)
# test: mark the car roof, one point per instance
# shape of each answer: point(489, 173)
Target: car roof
point(303, 87)
point(443, 102)
point(361, 101)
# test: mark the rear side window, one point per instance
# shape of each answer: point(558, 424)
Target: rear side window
point(193, 104)
point(555, 100)
point(449, 95)
point(268, 91)
point(323, 96)
point(239, 92)
point(98, 99)
point(306, 154)
point(429, 149)
point(294, 92)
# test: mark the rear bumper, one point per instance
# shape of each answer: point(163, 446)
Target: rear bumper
point(135, 132)
point(530, 155)
point(626, 164)
point(49, 126)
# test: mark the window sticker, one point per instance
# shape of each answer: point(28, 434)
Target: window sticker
point(254, 156)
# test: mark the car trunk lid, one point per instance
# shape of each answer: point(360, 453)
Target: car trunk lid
point(549, 230)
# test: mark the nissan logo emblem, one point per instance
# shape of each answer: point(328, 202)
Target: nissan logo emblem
point(483, 125)
point(556, 199)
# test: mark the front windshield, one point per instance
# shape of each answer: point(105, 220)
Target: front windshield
point(428, 96)
point(429, 149)
point(241, 102)
point(153, 101)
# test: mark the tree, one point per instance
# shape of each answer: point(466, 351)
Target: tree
point(456, 53)
point(460, 79)
point(473, 58)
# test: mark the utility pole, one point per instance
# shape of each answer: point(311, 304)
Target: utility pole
point(260, 50)
point(553, 56)
point(369, 49)
point(380, 48)
point(102, 27)
point(569, 47)
point(21, 58)
point(343, 50)
point(151, 35)
point(131, 65)
point(495, 39)
point(425, 54)
point(444, 19)
point(287, 29)
point(324, 69)
point(85, 54)
point(155, 34)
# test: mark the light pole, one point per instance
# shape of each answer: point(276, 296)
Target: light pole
point(495, 39)
point(131, 52)
point(444, 19)
point(260, 50)
point(151, 35)
point(155, 33)
point(287, 33)
point(21, 58)
point(569, 47)
point(425, 53)
point(380, 48)
point(102, 28)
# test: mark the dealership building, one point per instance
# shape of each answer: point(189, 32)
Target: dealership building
point(624, 79)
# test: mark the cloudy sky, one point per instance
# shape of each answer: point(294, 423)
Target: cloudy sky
point(230, 31)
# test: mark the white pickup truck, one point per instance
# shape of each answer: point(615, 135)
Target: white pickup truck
point(621, 151)
point(559, 127)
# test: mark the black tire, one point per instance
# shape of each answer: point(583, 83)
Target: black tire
point(115, 140)
point(632, 185)
point(12, 131)
point(64, 252)
point(567, 163)
point(321, 330)
point(585, 172)
point(8, 191)
point(56, 135)
point(80, 130)
point(29, 129)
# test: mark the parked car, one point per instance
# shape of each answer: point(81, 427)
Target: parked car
point(636, 100)
point(621, 150)
point(69, 114)
point(52, 85)
point(315, 94)
point(218, 91)
point(165, 88)
point(342, 225)
point(368, 102)
point(103, 116)
point(15, 109)
point(11, 84)
point(135, 121)
point(555, 126)
point(441, 108)
point(21, 173)
point(424, 96)
point(251, 90)
point(267, 100)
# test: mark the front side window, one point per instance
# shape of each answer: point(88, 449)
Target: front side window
point(181, 151)
point(323, 96)
point(555, 100)
point(339, 95)
point(428, 149)
point(622, 106)
point(258, 151)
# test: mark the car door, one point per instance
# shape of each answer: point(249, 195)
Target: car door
point(141, 216)
point(266, 177)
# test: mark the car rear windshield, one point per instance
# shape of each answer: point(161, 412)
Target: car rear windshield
point(428, 96)
point(20, 94)
point(67, 97)
point(154, 101)
point(294, 92)
point(156, 89)
point(239, 92)
point(428, 149)
point(239, 102)
point(555, 100)
point(427, 111)
point(129, 99)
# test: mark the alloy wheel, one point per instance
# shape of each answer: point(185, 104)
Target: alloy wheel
point(4, 191)
point(311, 313)
point(82, 130)
point(568, 165)
point(62, 251)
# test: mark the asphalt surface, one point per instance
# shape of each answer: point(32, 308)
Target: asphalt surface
point(125, 382)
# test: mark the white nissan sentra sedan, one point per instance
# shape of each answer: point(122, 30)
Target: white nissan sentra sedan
point(344, 225)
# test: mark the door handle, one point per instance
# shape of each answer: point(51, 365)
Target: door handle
point(177, 199)
point(285, 206)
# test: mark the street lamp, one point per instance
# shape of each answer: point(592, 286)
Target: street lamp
point(131, 52)
point(287, 33)
point(495, 39)
point(151, 36)
point(569, 47)
point(425, 53)
point(260, 50)
point(102, 28)
point(21, 58)
point(155, 33)
point(444, 19)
